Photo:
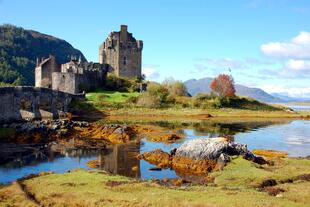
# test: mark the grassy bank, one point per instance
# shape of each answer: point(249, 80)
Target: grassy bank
point(237, 185)
point(122, 104)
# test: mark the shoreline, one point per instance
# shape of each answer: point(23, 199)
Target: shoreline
point(189, 114)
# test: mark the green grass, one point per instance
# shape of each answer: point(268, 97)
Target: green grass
point(114, 103)
point(110, 96)
point(234, 186)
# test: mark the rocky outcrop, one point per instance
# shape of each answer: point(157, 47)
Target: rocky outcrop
point(42, 131)
point(210, 149)
point(113, 133)
point(199, 156)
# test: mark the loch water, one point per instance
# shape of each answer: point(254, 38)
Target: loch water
point(292, 136)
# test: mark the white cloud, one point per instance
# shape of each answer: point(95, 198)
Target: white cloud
point(150, 73)
point(302, 39)
point(297, 48)
point(298, 65)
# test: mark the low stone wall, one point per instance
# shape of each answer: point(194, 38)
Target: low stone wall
point(28, 103)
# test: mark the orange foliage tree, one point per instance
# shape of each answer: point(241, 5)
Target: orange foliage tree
point(224, 85)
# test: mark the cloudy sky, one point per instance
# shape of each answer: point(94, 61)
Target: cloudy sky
point(265, 43)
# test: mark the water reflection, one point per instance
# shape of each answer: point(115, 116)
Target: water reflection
point(121, 160)
point(290, 136)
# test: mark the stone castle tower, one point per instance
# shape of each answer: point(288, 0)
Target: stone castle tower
point(43, 71)
point(123, 53)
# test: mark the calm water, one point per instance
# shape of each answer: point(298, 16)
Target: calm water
point(290, 136)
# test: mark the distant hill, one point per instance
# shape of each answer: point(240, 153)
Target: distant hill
point(287, 98)
point(203, 85)
point(19, 49)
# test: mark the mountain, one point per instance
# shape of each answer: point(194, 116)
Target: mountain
point(19, 49)
point(203, 85)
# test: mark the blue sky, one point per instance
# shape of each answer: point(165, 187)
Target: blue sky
point(266, 43)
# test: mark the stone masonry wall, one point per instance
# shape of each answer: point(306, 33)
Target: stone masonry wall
point(27, 103)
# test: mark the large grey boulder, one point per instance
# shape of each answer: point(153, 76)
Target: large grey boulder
point(211, 149)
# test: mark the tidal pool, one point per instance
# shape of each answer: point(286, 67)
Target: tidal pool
point(292, 136)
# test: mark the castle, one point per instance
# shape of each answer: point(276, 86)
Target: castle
point(120, 53)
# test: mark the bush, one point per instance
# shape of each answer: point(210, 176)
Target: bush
point(175, 87)
point(115, 83)
point(183, 101)
point(149, 100)
point(158, 90)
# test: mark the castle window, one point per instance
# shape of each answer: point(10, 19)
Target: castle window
point(124, 61)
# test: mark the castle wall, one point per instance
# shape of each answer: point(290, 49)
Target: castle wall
point(27, 103)
point(66, 82)
point(43, 72)
point(77, 83)
point(130, 63)
point(109, 53)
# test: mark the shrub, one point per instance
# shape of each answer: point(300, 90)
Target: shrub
point(175, 87)
point(149, 100)
point(114, 83)
point(183, 101)
point(158, 90)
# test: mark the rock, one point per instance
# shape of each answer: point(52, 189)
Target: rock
point(268, 183)
point(274, 191)
point(157, 157)
point(209, 149)
point(200, 156)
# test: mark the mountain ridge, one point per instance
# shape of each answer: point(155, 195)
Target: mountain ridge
point(202, 85)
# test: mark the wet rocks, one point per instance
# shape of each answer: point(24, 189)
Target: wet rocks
point(157, 133)
point(270, 153)
point(198, 156)
point(42, 131)
point(157, 157)
point(210, 149)
point(113, 133)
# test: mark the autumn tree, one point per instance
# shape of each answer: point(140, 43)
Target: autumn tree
point(223, 85)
